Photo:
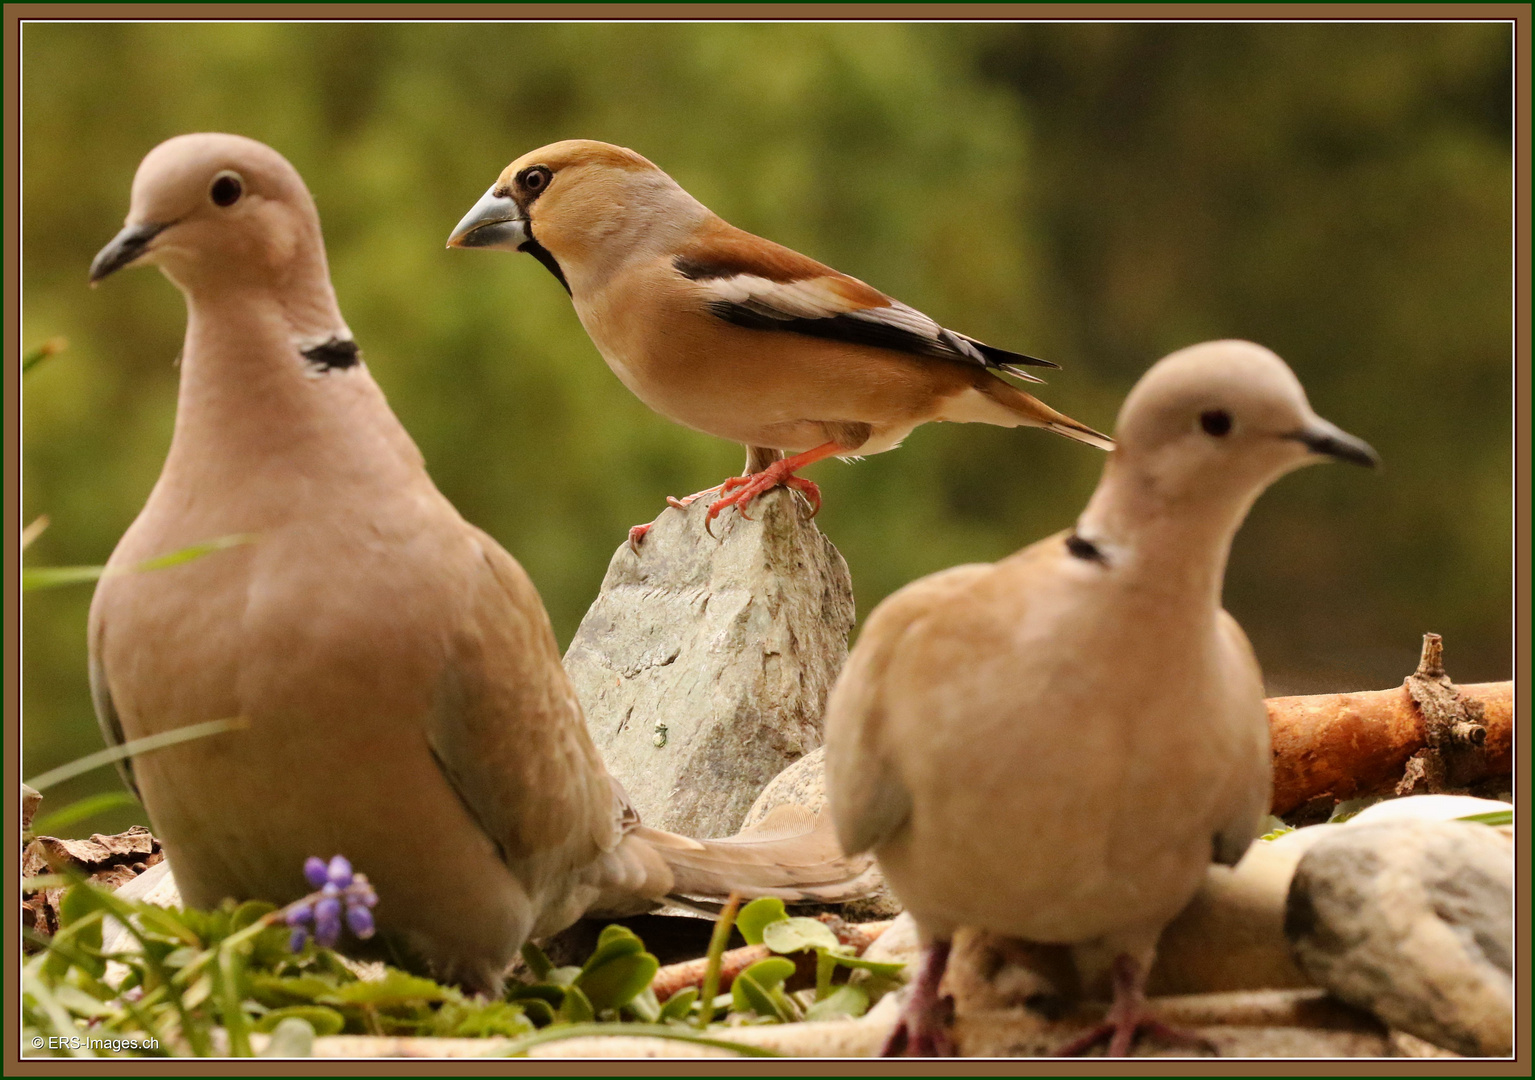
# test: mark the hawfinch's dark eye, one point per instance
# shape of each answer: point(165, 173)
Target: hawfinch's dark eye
point(1216, 422)
point(534, 179)
point(226, 189)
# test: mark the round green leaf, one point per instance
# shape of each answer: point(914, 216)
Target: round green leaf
point(758, 914)
point(793, 935)
point(616, 982)
point(845, 1002)
point(324, 1021)
point(577, 1009)
point(678, 1005)
point(615, 941)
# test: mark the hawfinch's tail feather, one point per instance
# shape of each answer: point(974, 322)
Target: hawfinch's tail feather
point(1035, 413)
point(790, 854)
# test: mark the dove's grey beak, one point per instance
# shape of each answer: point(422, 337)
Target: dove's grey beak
point(126, 246)
point(1320, 437)
point(496, 222)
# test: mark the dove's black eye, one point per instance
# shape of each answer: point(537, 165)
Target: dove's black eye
point(534, 178)
point(1216, 422)
point(226, 189)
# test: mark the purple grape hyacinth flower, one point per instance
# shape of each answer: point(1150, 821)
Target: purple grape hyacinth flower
point(339, 893)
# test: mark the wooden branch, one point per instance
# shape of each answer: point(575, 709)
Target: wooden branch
point(1343, 746)
point(675, 977)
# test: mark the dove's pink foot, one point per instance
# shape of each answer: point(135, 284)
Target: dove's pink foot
point(923, 1029)
point(1128, 1017)
point(740, 491)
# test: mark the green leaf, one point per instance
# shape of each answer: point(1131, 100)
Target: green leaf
point(497, 1018)
point(752, 990)
point(845, 1002)
point(757, 916)
point(248, 912)
point(576, 1009)
point(85, 764)
point(645, 1007)
point(615, 983)
point(793, 935)
point(678, 1005)
point(1491, 817)
point(200, 991)
point(322, 1021)
point(293, 1038)
point(537, 962)
point(78, 902)
point(873, 966)
point(81, 809)
point(395, 988)
point(80, 1003)
point(545, 991)
point(538, 1010)
point(614, 941)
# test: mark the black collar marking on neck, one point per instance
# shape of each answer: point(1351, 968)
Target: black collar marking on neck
point(541, 253)
point(1086, 550)
point(335, 353)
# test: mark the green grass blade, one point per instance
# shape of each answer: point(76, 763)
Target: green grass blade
point(717, 942)
point(51, 577)
point(83, 765)
point(521, 1046)
point(51, 347)
point(81, 809)
point(1491, 817)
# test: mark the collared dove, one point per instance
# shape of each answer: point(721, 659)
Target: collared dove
point(1056, 746)
point(737, 336)
point(401, 686)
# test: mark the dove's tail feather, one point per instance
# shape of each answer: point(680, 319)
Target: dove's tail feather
point(790, 854)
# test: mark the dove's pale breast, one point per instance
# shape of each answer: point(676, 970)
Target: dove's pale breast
point(1083, 766)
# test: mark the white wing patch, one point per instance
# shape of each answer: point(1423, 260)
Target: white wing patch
point(820, 306)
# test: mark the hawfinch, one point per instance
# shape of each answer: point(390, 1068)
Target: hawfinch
point(737, 336)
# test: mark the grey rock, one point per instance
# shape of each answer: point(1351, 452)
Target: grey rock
point(1413, 920)
point(704, 665)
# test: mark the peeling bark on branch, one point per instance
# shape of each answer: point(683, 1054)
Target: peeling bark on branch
point(1427, 733)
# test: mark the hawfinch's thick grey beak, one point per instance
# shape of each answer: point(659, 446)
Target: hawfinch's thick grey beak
point(496, 222)
point(1320, 437)
point(126, 246)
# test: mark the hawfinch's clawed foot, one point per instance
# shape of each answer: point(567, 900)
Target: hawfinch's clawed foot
point(740, 491)
point(744, 490)
point(637, 534)
point(1128, 1017)
point(688, 500)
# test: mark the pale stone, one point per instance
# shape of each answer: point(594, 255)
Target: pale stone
point(704, 665)
point(1413, 920)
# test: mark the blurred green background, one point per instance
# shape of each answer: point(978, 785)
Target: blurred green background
point(1096, 194)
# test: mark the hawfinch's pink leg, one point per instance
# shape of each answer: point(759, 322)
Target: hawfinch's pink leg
point(740, 491)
